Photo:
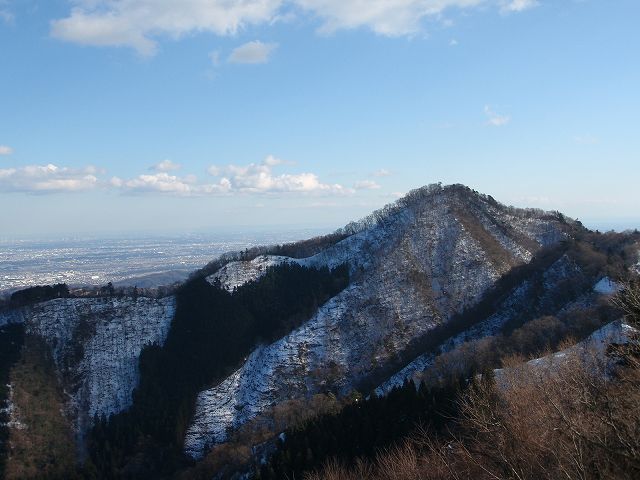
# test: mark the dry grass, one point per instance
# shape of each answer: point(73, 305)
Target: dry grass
point(565, 420)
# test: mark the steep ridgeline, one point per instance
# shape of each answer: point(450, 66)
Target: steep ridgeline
point(413, 266)
point(96, 343)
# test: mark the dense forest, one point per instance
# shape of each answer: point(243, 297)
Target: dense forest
point(38, 294)
point(212, 331)
point(361, 429)
point(11, 341)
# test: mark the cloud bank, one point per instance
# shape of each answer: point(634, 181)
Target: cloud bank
point(260, 179)
point(252, 179)
point(139, 24)
point(47, 179)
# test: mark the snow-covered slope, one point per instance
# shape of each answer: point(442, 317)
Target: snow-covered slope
point(509, 309)
point(590, 352)
point(237, 273)
point(412, 265)
point(96, 343)
point(412, 268)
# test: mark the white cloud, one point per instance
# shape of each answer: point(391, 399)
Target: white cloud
point(166, 166)
point(214, 171)
point(383, 172)
point(139, 24)
point(260, 179)
point(495, 119)
point(6, 15)
point(508, 6)
point(385, 17)
point(366, 185)
point(160, 182)
point(453, 42)
point(5, 150)
point(252, 179)
point(47, 179)
point(256, 179)
point(252, 52)
point(272, 161)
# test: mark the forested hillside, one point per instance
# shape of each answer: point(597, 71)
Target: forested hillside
point(279, 361)
point(573, 417)
point(542, 322)
point(213, 329)
point(11, 341)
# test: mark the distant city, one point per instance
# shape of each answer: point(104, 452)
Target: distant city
point(144, 261)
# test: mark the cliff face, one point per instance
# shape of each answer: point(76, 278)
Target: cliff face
point(96, 343)
point(412, 269)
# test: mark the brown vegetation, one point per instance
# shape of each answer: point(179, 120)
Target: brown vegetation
point(577, 418)
point(245, 445)
point(562, 423)
point(501, 258)
point(42, 445)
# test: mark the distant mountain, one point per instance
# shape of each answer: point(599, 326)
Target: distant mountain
point(439, 267)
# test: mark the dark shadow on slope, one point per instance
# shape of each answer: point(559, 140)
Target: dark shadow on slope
point(11, 341)
point(212, 332)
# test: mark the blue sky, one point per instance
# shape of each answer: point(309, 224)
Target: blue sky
point(167, 115)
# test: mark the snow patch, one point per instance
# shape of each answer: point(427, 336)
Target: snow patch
point(237, 273)
point(606, 286)
point(12, 412)
point(591, 351)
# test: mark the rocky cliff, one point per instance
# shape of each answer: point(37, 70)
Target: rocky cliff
point(96, 343)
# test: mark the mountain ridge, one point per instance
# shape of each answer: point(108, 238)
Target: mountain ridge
point(432, 209)
point(416, 268)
